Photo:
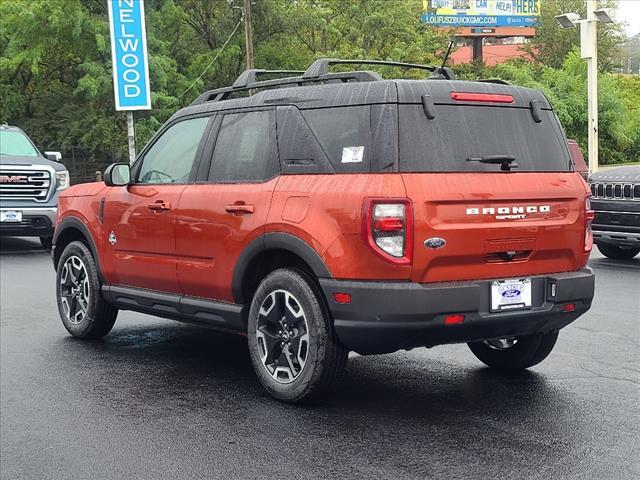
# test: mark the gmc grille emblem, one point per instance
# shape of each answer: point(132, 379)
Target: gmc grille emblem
point(13, 179)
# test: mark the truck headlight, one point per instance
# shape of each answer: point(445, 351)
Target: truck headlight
point(62, 179)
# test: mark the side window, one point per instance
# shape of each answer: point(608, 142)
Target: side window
point(299, 150)
point(171, 158)
point(344, 133)
point(244, 150)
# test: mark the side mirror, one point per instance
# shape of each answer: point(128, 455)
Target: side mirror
point(53, 156)
point(117, 175)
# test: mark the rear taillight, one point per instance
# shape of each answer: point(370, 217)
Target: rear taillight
point(589, 215)
point(387, 227)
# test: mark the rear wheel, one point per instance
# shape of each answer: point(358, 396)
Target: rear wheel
point(618, 253)
point(514, 353)
point(82, 308)
point(293, 347)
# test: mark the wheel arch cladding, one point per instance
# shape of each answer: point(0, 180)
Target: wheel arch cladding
point(268, 252)
point(69, 230)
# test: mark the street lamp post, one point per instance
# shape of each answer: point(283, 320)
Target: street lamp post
point(589, 50)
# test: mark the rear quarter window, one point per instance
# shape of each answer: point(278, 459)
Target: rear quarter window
point(344, 134)
point(459, 132)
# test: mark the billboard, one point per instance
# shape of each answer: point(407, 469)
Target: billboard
point(129, 54)
point(481, 13)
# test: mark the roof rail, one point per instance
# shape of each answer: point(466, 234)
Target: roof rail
point(444, 73)
point(494, 80)
point(321, 67)
point(317, 72)
point(241, 84)
point(251, 75)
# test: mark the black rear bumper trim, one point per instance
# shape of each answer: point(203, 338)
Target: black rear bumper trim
point(385, 317)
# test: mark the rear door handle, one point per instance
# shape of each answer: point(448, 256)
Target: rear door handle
point(159, 206)
point(240, 208)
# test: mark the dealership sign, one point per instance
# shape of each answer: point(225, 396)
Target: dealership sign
point(129, 55)
point(481, 13)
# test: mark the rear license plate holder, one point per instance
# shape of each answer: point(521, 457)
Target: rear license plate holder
point(511, 294)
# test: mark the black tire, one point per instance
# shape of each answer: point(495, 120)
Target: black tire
point(618, 253)
point(529, 350)
point(46, 242)
point(78, 292)
point(283, 294)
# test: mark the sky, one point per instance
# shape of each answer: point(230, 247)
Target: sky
point(629, 13)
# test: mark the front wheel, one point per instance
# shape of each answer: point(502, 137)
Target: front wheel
point(514, 353)
point(83, 310)
point(618, 253)
point(293, 347)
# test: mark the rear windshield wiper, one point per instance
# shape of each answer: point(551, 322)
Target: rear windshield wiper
point(506, 162)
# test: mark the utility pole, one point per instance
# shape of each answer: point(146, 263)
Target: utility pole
point(131, 137)
point(248, 33)
point(588, 42)
point(477, 48)
point(589, 51)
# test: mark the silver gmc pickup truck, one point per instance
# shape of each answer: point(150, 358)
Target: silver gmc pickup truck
point(29, 186)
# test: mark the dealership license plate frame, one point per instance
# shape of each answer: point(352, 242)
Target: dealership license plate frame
point(10, 216)
point(510, 302)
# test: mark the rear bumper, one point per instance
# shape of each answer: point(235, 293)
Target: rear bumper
point(36, 222)
point(387, 316)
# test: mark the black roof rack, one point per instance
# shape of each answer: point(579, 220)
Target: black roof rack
point(321, 66)
point(318, 71)
point(240, 86)
point(494, 80)
point(251, 75)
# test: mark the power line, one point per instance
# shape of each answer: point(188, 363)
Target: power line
point(214, 59)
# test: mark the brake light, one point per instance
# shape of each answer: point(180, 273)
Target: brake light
point(342, 297)
point(453, 319)
point(481, 97)
point(387, 228)
point(589, 216)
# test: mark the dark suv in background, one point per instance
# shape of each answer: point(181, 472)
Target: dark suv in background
point(616, 202)
point(29, 186)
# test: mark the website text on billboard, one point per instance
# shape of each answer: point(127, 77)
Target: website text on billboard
point(481, 13)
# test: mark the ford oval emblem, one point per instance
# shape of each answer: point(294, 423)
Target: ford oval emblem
point(511, 293)
point(435, 242)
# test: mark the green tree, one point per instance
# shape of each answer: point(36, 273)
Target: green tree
point(55, 61)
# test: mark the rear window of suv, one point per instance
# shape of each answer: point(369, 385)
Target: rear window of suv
point(459, 132)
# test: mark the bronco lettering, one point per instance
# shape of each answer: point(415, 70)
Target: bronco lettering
point(509, 213)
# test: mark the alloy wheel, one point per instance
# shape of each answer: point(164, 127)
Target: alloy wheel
point(282, 335)
point(74, 289)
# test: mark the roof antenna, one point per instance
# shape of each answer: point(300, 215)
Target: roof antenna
point(444, 71)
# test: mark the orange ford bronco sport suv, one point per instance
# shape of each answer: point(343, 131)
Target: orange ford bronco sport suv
point(337, 212)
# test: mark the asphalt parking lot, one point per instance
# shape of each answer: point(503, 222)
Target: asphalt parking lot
point(159, 399)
